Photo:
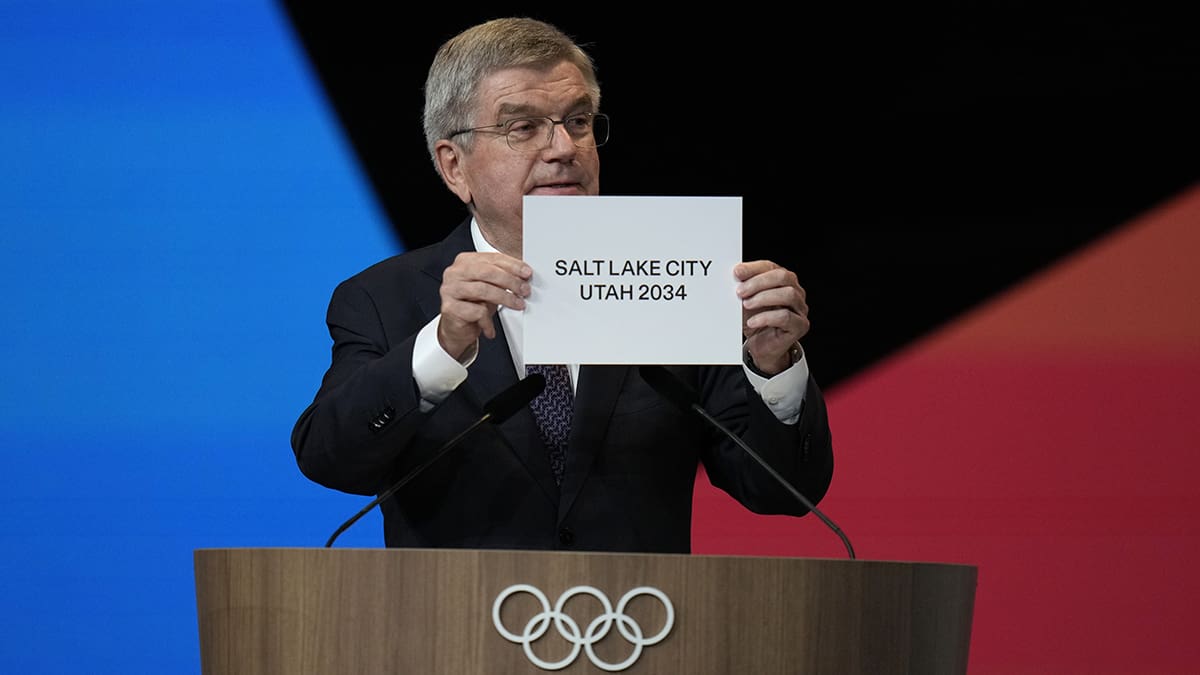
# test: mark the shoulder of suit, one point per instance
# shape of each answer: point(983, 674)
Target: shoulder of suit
point(430, 259)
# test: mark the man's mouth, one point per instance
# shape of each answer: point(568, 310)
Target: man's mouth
point(556, 189)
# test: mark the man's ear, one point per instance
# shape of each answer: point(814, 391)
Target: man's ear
point(450, 166)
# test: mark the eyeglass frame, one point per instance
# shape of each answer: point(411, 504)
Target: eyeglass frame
point(502, 128)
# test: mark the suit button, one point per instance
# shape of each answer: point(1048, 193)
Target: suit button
point(381, 420)
point(566, 537)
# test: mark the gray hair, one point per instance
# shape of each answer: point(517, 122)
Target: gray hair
point(462, 62)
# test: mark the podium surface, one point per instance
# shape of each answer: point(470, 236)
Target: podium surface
point(463, 611)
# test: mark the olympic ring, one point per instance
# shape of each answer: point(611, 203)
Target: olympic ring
point(568, 628)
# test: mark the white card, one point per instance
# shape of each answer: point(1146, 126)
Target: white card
point(633, 280)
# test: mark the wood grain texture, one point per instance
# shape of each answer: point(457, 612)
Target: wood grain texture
point(296, 611)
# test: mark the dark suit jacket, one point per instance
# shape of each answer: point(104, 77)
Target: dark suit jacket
point(631, 461)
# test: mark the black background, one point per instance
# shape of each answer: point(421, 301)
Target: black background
point(907, 163)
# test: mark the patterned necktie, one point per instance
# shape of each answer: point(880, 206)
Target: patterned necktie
point(552, 409)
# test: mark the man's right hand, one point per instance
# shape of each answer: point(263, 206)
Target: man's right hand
point(473, 289)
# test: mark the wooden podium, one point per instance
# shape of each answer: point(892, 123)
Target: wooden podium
point(295, 611)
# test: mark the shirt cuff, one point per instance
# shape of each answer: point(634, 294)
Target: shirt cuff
point(436, 373)
point(783, 393)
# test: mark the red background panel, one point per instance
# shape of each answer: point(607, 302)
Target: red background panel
point(1051, 437)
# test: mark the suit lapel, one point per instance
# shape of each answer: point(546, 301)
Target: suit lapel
point(447, 249)
point(595, 395)
point(492, 372)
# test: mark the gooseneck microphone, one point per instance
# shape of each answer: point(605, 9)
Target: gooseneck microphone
point(675, 390)
point(501, 407)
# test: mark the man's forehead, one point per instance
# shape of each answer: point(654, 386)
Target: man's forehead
point(533, 90)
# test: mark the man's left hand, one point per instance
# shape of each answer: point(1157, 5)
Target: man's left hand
point(774, 313)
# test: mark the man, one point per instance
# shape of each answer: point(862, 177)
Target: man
point(422, 340)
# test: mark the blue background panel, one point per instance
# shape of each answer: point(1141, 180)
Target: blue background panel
point(177, 203)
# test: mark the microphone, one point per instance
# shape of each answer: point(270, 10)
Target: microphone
point(685, 398)
point(501, 407)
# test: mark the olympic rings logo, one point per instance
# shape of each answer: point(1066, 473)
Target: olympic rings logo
point(568, 628)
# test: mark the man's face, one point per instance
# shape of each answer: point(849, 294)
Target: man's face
point(494, 177)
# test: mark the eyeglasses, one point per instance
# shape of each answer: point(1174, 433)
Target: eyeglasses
point(531, 134)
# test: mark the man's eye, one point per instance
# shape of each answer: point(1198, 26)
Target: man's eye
point(522, 127)
point(579, 123)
